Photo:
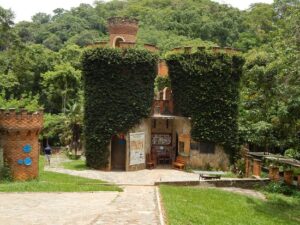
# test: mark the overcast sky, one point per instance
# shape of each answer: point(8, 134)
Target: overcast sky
point(25, 9)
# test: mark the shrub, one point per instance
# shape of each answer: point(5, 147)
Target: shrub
point(281, 188)
point(5, 173)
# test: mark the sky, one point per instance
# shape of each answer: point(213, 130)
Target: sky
point(25, 9)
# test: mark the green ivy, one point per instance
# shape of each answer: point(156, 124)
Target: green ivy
point(161, 82)
point(205, 87)
point(119, 89)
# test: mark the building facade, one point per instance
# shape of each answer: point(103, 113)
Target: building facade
point(163, 135)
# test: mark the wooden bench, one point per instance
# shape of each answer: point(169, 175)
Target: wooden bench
point(209, 176)
point(179, 163)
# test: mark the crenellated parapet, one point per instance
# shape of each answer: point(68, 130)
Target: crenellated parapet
point(22, 120)
point(19, 132)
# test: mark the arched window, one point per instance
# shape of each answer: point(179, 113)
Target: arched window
point(117, 42)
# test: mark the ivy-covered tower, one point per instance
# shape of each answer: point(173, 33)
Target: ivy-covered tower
point(19, 132)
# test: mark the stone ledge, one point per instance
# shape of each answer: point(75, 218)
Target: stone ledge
point(241, 183)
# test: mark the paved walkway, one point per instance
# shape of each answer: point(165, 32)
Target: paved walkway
point(141, 177)
point(133, 206)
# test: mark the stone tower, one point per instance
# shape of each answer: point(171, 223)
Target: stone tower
point(122, 31)
point(19, 133)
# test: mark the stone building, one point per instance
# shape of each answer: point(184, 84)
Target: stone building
point(163, 136)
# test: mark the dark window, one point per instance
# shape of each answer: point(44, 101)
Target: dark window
point(195, 146)
point(207, 147)
point(203, 147)
point(154, 123)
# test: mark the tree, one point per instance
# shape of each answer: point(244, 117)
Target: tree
point(61, 87)
point(6, 22)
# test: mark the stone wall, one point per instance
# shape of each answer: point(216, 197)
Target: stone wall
point(19, 140)
point(218, 160)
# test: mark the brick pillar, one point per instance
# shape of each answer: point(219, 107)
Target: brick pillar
point(274, 173)
point(247, 165)
point(19, 139)
point(256, 167)
point(288, 177)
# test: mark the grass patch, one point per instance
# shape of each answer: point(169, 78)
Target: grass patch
point(57, 182)
point(188, 206)
point(78, 164)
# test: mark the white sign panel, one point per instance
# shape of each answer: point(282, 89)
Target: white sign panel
point(137, 148)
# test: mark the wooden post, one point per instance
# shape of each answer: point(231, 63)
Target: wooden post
point(288, 177)
point(247, 165)
point(256, 167)
point(274, 173)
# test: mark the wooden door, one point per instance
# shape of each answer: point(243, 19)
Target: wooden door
point(118, 153)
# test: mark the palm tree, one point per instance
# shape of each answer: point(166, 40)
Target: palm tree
point(74, 121)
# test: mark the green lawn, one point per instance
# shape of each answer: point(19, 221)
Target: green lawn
point(78, 164)
point(188, 206)
point(57, 182)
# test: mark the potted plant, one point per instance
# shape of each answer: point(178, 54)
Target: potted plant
point(288, 174)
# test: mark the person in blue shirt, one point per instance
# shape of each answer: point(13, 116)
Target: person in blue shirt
point(47, 151)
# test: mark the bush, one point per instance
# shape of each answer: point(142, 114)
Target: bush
point(5, 173)
point(292, 153)
point(281, 188)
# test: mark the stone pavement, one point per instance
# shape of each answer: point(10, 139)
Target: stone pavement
point(134, 206)
point(141, 177)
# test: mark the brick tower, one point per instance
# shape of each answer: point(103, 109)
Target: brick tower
point(122, 31)
point(19, 133)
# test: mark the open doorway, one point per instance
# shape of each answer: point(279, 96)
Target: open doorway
point(118, 153)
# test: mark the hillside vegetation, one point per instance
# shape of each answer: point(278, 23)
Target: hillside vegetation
point(40, 60)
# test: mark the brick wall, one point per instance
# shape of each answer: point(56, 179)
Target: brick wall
point(19, 140)
point(123, 28)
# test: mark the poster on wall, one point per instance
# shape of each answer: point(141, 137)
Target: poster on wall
point(137, 148)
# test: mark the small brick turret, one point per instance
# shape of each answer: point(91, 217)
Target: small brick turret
point(122, 30)
point(19, 133)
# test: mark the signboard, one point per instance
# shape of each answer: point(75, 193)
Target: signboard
point(137, 148)
point(161, 139)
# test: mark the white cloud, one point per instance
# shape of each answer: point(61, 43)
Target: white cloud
point(25, 9)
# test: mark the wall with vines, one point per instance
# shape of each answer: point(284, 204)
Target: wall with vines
point(205, 87)
point(118, 90)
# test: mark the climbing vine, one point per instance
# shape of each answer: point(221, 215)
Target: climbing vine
point(205, 87)
point(118, 90)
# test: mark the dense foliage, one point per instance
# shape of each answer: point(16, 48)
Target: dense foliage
point(119, 88)
point(206, 88)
